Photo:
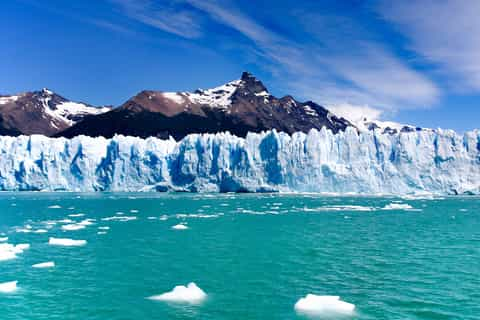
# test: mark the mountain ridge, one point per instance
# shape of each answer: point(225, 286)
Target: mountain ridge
point(239, 106)
point(41, 112)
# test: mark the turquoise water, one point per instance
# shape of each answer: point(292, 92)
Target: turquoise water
point(254, 255)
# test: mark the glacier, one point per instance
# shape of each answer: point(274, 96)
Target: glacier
point(426, 161)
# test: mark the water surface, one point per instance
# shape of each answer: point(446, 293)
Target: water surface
point(254, 255)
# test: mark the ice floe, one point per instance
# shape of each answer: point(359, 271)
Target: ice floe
point(66, 242)
point(398, 206)
point(72, 227)
point(180, 226)
point(191, 294)
point(22, 246)
point(7, 287)
point(340, 208)
point(197, 215)
point(3, 239)
point(76, 215)
point(49, 264)
point(119, 218)
point(9, 251)
point(324, 305)
point(65, 221)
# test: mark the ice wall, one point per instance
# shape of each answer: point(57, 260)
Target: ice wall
point(439, 161)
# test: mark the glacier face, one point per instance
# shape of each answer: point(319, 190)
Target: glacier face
point(439, 161)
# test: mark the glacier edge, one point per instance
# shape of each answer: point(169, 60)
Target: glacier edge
point(439, 161)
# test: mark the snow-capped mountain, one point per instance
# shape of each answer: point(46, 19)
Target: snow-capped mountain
point(41, 112)
point(240, 106)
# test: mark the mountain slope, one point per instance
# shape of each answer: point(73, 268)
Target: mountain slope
point(239, 107)
point(41, 112)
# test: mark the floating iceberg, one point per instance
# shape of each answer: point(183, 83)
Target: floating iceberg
point(66, 242)
point(9, 251)
point(398, 206)
point(42, 265)
point(324, 305)
point(419, 162)
point(180, 226)
point(8, 287)
point(72, 227)
point(189, 294)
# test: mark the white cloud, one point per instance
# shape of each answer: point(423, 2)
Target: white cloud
point(356, 113)
point(443, 32)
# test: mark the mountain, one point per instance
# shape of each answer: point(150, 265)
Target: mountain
point(368, 162)
point(389, 127)
point(240, 106)
point(41, 112)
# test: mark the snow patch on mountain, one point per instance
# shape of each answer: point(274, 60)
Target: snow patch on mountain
point(68, 111)
point(8, 99)
point(215, 97)
point(65, 111)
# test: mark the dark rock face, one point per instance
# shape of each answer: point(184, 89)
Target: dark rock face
point(240, 107)
point(40, 112)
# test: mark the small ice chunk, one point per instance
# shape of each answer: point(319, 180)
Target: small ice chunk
point(23, 230)
point(104, 228)
point(398, 206)
point(76, 215)
point(190, 294)
point(3, 239)
point(42, 265)
point(86, 222)
point(65, 221)
point(55, 206)
point(66, 242)
point(73, 227)
point(40, 231)
point(22, 246)
point(324, 305)
point(8, 287)
point(180, 226)
point(9, 251)
point(121, 218)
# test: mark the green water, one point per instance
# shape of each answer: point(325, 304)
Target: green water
point(255, 256)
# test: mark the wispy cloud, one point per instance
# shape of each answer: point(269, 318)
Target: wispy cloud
point(110, 26)
point(358, 69)
point(444, 33)
point(162, 15)
point(364, 70)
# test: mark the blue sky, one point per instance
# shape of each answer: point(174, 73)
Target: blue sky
point(411, 61)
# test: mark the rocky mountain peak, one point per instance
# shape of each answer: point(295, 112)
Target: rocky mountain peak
point(249, 84)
